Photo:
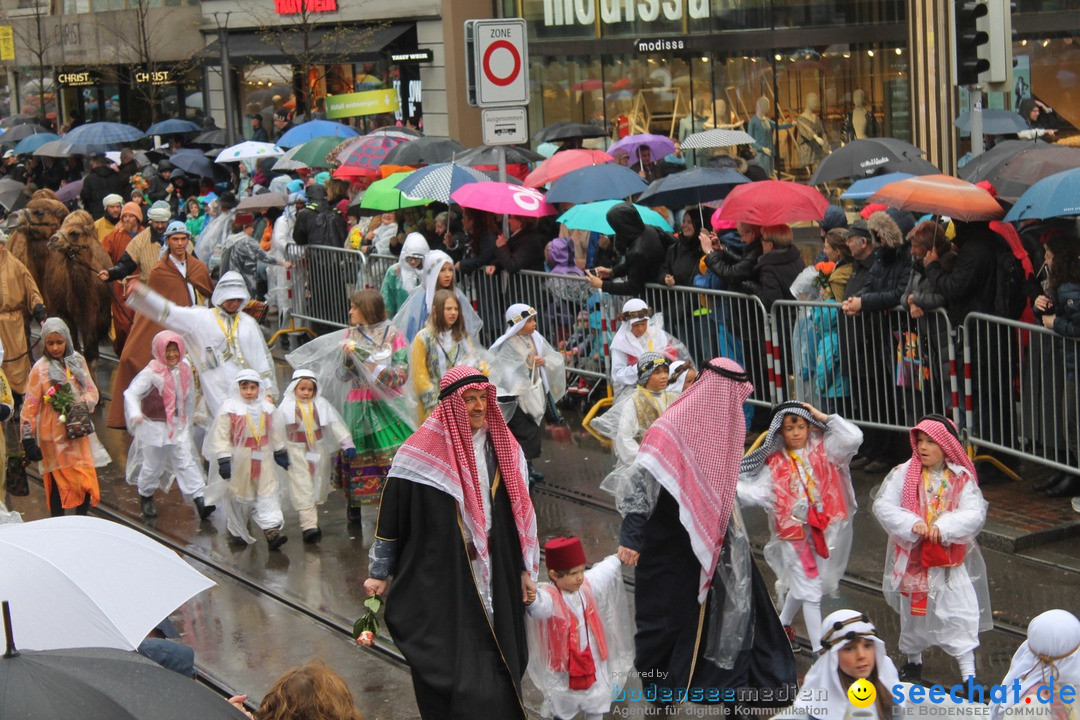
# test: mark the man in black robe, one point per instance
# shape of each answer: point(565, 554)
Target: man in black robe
point(457, 532)
point(682, 531)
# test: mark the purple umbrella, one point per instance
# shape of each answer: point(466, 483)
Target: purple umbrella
point(70, 191)
point(659, 145)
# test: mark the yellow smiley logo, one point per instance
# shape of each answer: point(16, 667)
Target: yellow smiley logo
point(862, 693)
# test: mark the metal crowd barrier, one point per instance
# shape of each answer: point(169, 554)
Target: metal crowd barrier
point(375, 270)
point(1019, 396)
point(323, 279)
point(880, 369)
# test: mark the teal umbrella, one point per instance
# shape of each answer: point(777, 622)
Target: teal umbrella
point(593, 217)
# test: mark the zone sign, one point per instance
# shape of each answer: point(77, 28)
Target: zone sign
point(497, 62)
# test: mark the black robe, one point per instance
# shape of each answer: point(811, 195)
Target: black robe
point(462, 668)
point(667, 613)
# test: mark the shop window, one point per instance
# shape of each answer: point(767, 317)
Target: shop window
point(1048, 69)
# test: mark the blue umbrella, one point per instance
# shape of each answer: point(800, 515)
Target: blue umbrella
point(862, 189)
point(692, 187)
point(596, 182)
point(1057, 195)
point(313, 129)
point(593, 217)
point(995, 122)
point(193, 162)
point(436, 182)
point(98, 137)
point(32, 142)
point(173, 126)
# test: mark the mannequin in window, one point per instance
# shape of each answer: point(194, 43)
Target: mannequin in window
point(696, 121)
point(860, 121)
point(813, 142)
point(762, 128)
point(723, 119)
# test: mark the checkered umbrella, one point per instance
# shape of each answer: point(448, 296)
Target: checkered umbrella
point(436, 182)
point(98, 137)
point(288, 161)
point(716, 139)
point(366, 154)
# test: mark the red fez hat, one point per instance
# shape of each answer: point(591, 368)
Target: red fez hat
point(563, 553)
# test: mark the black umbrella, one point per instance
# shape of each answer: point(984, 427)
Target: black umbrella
point(489, 155)
point(215, 138)
point(13, 120)
point(424, 151)
point(869, 156)
point(691, 187)
point(986, 164)
point(12, 137)
point(100, 684)
point(564, 130)
point(10, 192)
point(193, 162)
point(1012, 178)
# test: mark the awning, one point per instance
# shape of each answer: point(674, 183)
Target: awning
point(286, 45)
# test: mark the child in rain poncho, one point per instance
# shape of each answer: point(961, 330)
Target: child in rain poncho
point(159, 405)
point(364, 369)
point(631, 415)
point(935, 576)
point(245, 442)
point(314, 432)
point(442, 344)
point(800, 475)
point(57, 381)
point(640, 331)
point(438, 275)
point(533, 372)
point(405, 275)
point(1043, 666)
point(580, 636)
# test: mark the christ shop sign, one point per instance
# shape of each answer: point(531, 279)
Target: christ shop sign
point(613, 12)
point(295, 7)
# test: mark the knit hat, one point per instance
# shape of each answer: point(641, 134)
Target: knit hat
point(321, 178)
point(647, 364)
point(159, 212)
point(563, 553)
point(112, 199)
point(132, 208)
point(835, 217)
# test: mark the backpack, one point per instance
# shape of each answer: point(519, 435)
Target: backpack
point(324, 231)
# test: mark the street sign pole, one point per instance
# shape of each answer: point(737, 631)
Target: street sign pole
point(976, 121)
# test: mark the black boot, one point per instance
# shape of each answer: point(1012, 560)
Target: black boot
point(312, 535)
point(203, 509)
point(1070, 485)
point(354, 515)
point(275, 538)
point(1051, 480)
point(911, 673)
point(146, 504)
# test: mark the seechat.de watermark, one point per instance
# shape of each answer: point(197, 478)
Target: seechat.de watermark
point(1013, 694)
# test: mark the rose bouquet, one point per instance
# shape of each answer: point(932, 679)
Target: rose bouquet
point(60, 398)
point(824, 270)
point(138, 182)
point(365, 629)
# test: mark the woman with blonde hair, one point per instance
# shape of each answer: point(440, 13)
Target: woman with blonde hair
point(442, 344)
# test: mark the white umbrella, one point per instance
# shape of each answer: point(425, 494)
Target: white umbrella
point(248, 150)
point(716, 139)
point(87, 582)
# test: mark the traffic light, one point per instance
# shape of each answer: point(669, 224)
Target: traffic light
point(968, 41)
point(982, 42)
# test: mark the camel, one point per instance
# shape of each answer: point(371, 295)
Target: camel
point(30, 230)
point(71, 287)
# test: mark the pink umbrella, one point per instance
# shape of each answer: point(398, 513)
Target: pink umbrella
point(773, 202)
point(364, 155)
point(503, 198)
point(563, 162)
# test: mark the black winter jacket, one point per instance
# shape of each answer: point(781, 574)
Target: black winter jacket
point(522, 251)
point(774, 273)
point(970, 286)
point(98, 183)
point(643, 252)
point(889, 275)
point(735, 270)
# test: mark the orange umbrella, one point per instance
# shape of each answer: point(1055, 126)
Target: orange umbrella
point(563, 162)
point(940, 195)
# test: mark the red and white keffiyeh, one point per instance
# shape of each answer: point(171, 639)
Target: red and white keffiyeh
point(440, 454)
point(168, 386)
point(700, 469)
point(943, 432)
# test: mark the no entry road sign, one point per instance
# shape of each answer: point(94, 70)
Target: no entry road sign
point(497, 62)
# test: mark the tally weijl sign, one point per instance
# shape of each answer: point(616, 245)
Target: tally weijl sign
point(584, 12)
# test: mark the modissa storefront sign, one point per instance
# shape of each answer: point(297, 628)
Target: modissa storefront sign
point(613, 12)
